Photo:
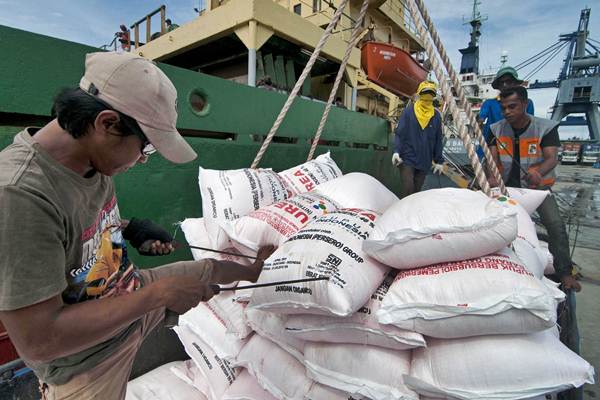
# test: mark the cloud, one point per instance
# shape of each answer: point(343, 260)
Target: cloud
point(57, 14)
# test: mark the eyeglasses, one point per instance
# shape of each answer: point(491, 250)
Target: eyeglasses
point(147, 147)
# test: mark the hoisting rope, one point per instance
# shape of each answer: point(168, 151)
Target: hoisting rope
point(462, 128)
point(356, 31)
point(299, 82)
point(492, 167)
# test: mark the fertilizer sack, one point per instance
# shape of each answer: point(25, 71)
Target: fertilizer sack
point(273, 224)
point(360, 328)
point(328, 247)
point(358, 190)
point(486, 295)
point(497, 367)
point(276, 371)
point(305, 177)
point(162, 384)
point(228, 195)
point(373, 372)
point(218, 372)
point(441, 225)
point(272, 326)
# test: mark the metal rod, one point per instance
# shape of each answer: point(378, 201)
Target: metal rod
point(218, 251)
point(323, 278)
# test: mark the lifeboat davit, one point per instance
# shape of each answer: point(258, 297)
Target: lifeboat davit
point(392, 68)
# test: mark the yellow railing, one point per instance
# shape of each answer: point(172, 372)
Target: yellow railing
point(148, 19)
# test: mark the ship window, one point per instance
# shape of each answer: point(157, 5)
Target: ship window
point(582, 93)
point(198, 102)
point(298, 9)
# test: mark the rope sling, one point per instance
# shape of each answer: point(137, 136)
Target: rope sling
point(299, 83)
point(449, 99)
point(492, 167)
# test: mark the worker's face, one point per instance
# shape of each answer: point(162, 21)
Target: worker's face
point(513, 108)
point(114, 153)
point(506, 81)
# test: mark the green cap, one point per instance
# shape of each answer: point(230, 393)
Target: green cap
point(506, 71)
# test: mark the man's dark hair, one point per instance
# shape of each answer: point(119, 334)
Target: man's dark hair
point(520, 91)
point(76, 111)
point(168, 21)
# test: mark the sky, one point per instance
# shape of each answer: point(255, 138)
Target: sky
point(519, 27)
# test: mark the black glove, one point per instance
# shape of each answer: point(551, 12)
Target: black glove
point(139, 231)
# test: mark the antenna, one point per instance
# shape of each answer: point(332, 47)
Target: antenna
point(503, 58)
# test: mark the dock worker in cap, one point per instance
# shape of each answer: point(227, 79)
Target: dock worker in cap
point(74, 306)
point(418, 140)
point(491, 109)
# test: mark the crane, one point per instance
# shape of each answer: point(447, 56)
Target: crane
point(578, 82)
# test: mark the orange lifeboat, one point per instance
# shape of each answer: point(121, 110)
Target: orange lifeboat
point(392, 68)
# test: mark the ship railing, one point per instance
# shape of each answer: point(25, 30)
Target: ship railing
point(162, 10)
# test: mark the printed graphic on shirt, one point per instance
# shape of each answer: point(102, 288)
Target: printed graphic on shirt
point(105, 269)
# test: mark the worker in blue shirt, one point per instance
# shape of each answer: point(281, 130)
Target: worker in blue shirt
point(491, 109)
point(418, 140)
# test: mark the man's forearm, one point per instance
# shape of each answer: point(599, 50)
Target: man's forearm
point(547, 166)
point(72, 328)
point(228, 271)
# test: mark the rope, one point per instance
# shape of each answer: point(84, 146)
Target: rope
point(355, 34)
point(299, 82)
point(462, 129)
point(461, 96)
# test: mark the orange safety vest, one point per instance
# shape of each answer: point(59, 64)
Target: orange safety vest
point(530, 151)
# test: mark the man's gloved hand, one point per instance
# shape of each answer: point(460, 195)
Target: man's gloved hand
point(396, 160)
point(437, 168)
point(148, 238)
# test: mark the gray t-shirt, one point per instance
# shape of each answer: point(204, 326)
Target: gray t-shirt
point(59, 235)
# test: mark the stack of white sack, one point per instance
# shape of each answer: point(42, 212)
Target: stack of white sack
point(497, 367)
point(476, 285)
point(280, 374)
point(165, 383)
point(360, 328)
point(230, 194)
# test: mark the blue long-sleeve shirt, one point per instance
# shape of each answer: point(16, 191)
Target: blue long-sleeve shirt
point(418, 147)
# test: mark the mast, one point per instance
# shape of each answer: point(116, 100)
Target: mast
point(470, 54)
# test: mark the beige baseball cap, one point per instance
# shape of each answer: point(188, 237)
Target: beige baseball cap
point(136, 87)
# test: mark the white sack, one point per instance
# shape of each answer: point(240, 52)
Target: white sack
point(272, 327)
point(196, 234)
point(205, 323)
point(273, 224)
point(370, 371)
point(530, 199)
point(358, 190)
point(305, 177)
point(230, 309)
point(441, 225)
point(275, 369)
point(189, 372)
point(246, 387)
point(427, 300)
point(328, 247)
point(230, 194)
point(322, 392)
point(161, 384)
point(218, 372)
point(549, 268)
point(360, 328)
point(497, 367)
